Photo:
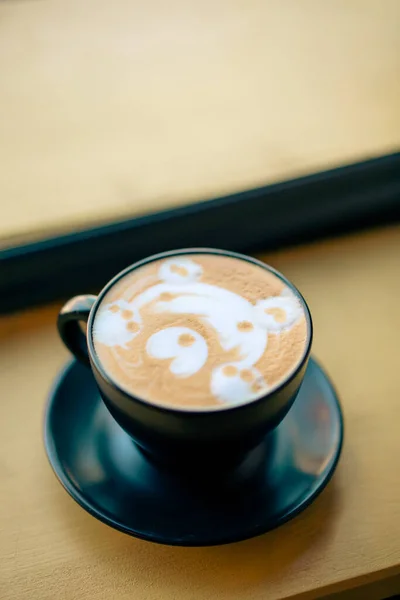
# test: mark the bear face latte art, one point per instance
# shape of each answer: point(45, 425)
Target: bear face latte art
point(200, 331)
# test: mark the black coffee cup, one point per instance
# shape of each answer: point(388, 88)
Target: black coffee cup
point(179, 437)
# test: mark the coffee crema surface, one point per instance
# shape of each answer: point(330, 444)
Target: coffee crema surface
point(200, 331)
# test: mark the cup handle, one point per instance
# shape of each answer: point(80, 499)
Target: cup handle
point(75, 310)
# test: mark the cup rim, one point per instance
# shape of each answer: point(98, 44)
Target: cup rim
point(95, 361)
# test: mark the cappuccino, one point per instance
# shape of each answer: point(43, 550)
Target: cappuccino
point(200, 331)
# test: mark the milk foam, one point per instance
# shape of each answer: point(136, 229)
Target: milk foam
point(186, 360)
point(240, 326)
point(110, 327)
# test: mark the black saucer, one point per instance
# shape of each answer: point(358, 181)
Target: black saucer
point(103, 470)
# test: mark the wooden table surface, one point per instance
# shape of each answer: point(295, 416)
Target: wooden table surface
point(349, 537)
point(123, 107)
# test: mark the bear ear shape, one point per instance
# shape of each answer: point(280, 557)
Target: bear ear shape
point(116, 325)
point(180, 270)
point(233, 385)
point(278, 313)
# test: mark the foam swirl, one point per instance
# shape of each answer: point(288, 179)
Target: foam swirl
point(187, 348)
point(240, 326)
